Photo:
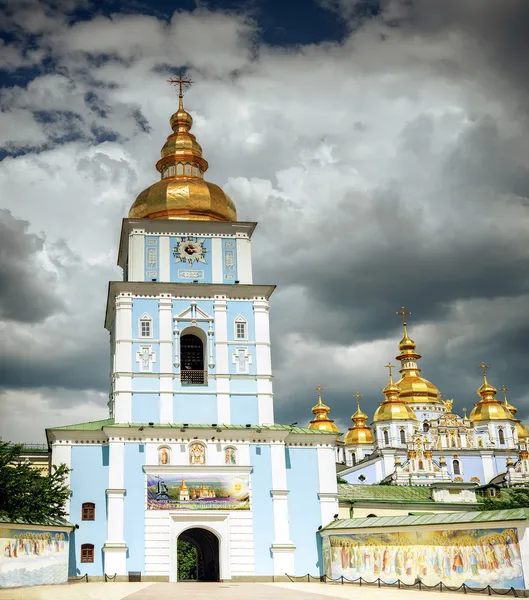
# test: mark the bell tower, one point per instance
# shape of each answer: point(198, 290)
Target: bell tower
point(189, 331)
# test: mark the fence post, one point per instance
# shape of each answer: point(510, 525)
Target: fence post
point(489, 590)
point(419, 585)
point(342, 579)
point(308, 577)
point(378, 581)
point(398, 583)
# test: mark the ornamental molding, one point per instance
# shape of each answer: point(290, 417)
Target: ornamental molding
point(198, 469)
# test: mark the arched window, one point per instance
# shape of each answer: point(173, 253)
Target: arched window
point(353, 458)
point(426, 427)
point(197, 454)
point(164, 455)
point(386, 437)
point(88, 511)
point(230, 456)
point(501, 436)
point(241, 328)
point(421, 465)
point(456, 467)
point(192, 359)
point(87, 553)
point(402, 436)
point(145, 326)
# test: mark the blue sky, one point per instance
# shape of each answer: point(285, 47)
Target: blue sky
point(382, 147)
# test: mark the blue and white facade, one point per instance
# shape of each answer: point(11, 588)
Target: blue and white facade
point(191, 396)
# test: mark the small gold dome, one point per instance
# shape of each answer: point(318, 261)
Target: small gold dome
point(393, 408)
point(322, 422)
point(489, 408)
point(183, 487)
point(359, 433)
point(182, 192)
point(521, 430)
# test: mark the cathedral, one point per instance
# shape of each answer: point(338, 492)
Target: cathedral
point(416, 438)
point(190, 450)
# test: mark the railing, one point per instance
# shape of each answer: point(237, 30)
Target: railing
point(194, 377)
point(418, 584)
point(80, 578)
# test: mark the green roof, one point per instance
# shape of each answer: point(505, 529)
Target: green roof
point(355, 492)
point(490, 516)
point(98, 425)
point(49, 522)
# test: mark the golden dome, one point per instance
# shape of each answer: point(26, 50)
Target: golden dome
point(413, 388)
point(359, 433)
point(489, 408)
point(183, 487)
point(521, 430)
point(393, 408)
point(182, 192)
point(321, 422)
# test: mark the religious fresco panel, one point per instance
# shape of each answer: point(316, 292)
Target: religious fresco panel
point(476, 557)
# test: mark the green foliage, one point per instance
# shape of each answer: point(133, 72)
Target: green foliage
point(186, 557)
point(512, 498)
point(26, 494)
point(340, 479)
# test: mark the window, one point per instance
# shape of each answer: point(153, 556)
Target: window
point(386, 437)
point(402, 436)
point(353, 458)
point(426, 427)
point(87, 553)
point(88, 512)
point(456, 467)
point(145, 326)
point(240, 328)
point(501, 436)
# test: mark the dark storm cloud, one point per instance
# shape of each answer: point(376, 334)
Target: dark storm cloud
point(26, 288)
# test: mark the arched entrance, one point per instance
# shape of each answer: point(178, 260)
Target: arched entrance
point(197, 555)
point(192, 359)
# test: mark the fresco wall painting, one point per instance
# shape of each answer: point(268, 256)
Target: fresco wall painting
point(198, 492)
point(477, 557)
point(32, 557)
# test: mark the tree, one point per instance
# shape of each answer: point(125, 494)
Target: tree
point(186, 557)
point(26, 494)
point(341, 479)
point(511, 498)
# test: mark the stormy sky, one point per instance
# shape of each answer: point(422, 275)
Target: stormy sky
point(383, 147)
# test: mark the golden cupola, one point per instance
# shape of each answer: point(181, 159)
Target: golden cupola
point(321, 421)
point(412, 387)
point(182, 192)
point(489, 408)
point(393, 408)
point(521, 429)
point(359, 433)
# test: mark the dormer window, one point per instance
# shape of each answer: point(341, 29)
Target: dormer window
point(241, 328)
point(145, 326)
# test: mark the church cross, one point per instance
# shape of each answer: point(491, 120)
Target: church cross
point(504, 390)
point(484, 367)
point(403, 313)
point(183, 83)
point(319, 389)
point(390, 367)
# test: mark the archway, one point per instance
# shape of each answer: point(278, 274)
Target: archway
point(198, 552)
point(192, 359)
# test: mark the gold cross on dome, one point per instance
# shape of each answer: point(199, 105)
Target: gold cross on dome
point(390, 367)
point(504, 390)
point(183, 83)
point(484, 367)
point(403, 313)
point(319, 389)
point(358, 396)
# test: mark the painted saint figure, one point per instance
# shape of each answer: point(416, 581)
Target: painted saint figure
point(197, 455)
point(229, 456)
point(163, 458)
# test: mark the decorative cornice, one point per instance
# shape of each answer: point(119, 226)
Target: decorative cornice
point(198, 469)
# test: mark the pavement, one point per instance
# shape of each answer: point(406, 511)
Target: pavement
point(221, 591)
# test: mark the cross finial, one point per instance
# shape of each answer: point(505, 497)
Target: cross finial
point(183, 83)
point(403, 313)
point(504, 390)
point(319, 389)
point(484, 367)
point(390, 367)
point(357, 397)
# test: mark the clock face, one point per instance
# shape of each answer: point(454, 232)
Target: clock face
point(190, 250)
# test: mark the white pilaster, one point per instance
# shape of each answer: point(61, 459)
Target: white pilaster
point(487, 461)
point(136, 268)
point(62, 453)
point(221, 337)
point(327, 486)
point(115, 548)
point(262, 337)
point(164, 258)
point(123, 360)
point(244, 260)
point(265, 401)
point(282, 547)
point(216, 260)
point(388, 458)
point(223, 400)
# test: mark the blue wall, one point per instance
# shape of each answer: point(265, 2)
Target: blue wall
point(89, 481)
point(152, 258)
point(243, 410)
point(303, 507)
point(263, 513)
point(134, 509)
point(229, 260)
point(369, 472)
point(195, 408)
point(139, 307)
point(245, 309)
point(145, 408)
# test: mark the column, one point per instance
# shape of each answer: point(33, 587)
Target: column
point(216, 260)
point(244, 260)
point(165, 312)
point(115, 548)
point(488, 465)
point(136, 255)
point(123, 360)
point(327, 486)
point(282, 547)
point(164, 258)
point(62, 453)
point(263, 362)
point(220, 309)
